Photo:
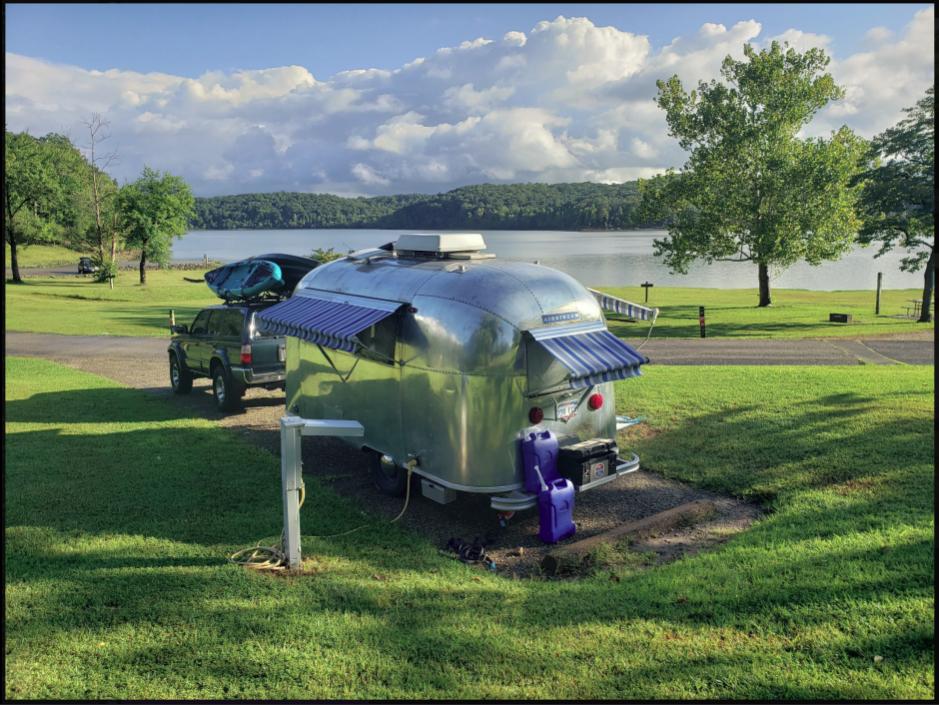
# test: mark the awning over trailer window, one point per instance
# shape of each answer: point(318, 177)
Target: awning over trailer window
point(608, 302)
point(332, 320)
point(592, 356)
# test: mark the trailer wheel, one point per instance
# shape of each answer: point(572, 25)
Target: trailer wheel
point(389, 477)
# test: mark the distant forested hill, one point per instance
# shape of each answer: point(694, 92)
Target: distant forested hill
point(585, 206)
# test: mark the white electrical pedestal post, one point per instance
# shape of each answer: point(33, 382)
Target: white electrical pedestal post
point(292, 428)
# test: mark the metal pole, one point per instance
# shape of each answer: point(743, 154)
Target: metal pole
point(292, 428)
point(291, 481)
point(880, 279)
point(701, 320)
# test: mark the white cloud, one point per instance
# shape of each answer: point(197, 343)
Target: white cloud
point(643, 149)
point(565, 101)
point(801, 41)
point(368, 176)
point(880, 82)
point(876, 35)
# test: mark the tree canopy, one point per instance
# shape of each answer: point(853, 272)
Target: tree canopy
point(899, 198)
point(40, 179)
point(752, 189)
point(155, 208)
point(486, 206)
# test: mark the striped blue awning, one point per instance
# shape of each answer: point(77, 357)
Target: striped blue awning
point(627, 308)
point(594, 357)
point(333, 322)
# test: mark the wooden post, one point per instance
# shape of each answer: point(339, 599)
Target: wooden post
point(880, 279)
point(172, 318)
point(646, 285)
point(573, 556)
point(701, 321)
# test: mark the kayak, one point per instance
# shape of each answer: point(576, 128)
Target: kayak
point(292, 267)
point(248, 278)
point(245, 279)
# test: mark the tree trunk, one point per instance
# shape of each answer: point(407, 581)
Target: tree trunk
point(765, 299)
point(14, 265)
point(143, 266)
point(929, 281)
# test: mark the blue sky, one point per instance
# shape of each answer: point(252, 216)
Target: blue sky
point(368, 99)
point(191, 39)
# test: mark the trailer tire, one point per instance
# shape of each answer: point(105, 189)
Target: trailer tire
point(390, 479)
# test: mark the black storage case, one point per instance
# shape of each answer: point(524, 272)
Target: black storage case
point(588, 461)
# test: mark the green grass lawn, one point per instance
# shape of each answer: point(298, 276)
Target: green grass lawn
point(80, 306)
point(131, 309)
point(43, 256)
point(120, 510)
point(795, 313)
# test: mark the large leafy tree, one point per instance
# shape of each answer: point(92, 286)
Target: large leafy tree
point(39, 176)
point(899, 200)
point(752, 189)
point(154, 209)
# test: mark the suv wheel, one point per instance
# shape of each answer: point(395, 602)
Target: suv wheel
point(389, 477)
point(180, 376)
point(227, 396)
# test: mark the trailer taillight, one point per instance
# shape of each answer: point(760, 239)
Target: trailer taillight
point(246, 354)
point(595, 401)
point(535, 415)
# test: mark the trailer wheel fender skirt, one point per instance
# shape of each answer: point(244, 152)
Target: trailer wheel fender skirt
point(389, 477)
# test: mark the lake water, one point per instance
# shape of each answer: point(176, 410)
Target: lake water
point(593, 258)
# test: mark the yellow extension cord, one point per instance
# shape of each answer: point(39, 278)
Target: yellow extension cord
point(273, 557)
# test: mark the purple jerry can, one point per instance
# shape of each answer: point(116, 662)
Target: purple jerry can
point(556, 511)
point(539, 449)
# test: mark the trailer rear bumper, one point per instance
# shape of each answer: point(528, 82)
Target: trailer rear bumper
point(518, 500)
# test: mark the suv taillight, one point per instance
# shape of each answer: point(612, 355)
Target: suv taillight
point(246, 354)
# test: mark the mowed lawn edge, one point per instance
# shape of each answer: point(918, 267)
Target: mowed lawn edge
point(120, 510)
point(75, 305)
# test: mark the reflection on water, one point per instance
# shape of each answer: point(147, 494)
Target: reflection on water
point(595, 259)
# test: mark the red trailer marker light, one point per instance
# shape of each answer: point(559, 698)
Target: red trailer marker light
point(595, 401)
point(535, 415)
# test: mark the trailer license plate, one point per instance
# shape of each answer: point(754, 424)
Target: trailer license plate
point(282, 353)
point(566, 410)
point(598, 470)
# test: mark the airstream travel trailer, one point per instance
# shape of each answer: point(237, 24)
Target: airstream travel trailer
point(448, 356)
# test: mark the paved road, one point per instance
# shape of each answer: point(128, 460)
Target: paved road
point(662, 351)
point(71, 270)
point(810, 351)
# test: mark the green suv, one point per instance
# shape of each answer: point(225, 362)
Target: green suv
point(224, 345)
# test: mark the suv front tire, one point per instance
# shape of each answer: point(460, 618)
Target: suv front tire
point(180, 376)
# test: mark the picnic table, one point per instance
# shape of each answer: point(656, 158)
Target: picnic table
point(914, 310)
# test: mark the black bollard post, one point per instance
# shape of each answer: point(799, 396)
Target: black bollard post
point(880, 279)
point(701, 320)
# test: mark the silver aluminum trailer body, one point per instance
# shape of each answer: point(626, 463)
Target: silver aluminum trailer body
point(455, 373)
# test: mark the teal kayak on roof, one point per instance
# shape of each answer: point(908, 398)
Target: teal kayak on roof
point(276, 274)
point(245, 279)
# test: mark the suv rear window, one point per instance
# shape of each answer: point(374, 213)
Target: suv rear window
point(227, 323)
